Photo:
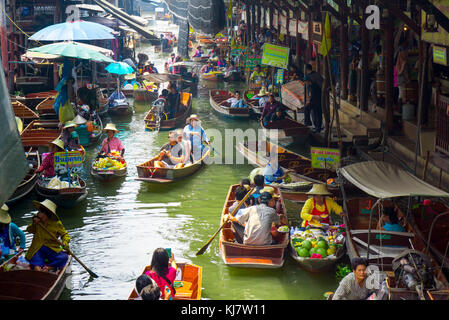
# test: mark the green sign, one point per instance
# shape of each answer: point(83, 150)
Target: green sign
point(325, 158)
point(440, 55)
point(383, 237)
point(237, 50)
point(251, 62)
point(275, 56)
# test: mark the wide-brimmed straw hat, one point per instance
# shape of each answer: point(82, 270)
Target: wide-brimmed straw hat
point(110, 126)
point(79, 120)
point(69, 124)
point(4, 214)
point(270, 190)
point(319, 189)
point(58, 142)
point(47, 205)
point(262, 92)
point(192, 117)
point(130, 76)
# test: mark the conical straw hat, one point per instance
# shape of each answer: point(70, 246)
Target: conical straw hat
point(79, 120)
point(319, 189)
point(49, 205)
point(110, 126)
point(59, 143)
point(4, 214)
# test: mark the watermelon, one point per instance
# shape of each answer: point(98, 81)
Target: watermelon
point(306, 244)
point(322, 244)
point(312, 251)
point(303, 252)
point(321, 251)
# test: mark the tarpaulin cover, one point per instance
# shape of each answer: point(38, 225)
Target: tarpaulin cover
point(204, 16)
point(384, 180)
point(13, 164)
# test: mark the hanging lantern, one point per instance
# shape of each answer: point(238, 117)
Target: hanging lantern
point(431, 23)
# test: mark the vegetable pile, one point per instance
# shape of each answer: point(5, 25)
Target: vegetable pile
point(109, 163)
point(317, 244)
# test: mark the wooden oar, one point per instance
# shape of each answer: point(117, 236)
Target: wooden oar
point(92, 274)
point(204, 248)
point(28, 153)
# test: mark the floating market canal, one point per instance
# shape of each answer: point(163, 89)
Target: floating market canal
point(116, 229)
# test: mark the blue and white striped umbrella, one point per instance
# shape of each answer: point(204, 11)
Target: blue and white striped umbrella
point(74, 31)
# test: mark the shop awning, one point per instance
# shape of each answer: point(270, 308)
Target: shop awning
point(132, 22)
point(384, 180)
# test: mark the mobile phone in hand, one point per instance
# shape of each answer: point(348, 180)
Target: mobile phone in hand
point(168, 251)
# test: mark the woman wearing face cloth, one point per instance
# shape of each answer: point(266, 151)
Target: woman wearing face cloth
point(196, 135)
point(70, 137)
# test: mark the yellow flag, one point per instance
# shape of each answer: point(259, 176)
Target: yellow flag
point(326, 42)
point(230, 9)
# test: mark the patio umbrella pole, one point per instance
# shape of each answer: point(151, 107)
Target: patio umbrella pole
point(369, 230)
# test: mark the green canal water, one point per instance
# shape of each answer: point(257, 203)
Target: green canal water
point(116, 229)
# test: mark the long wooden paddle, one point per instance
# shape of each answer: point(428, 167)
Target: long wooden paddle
point(92, 274)
point(204, 248)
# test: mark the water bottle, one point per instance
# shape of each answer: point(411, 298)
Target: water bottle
point(168, 291)
point(292, 231)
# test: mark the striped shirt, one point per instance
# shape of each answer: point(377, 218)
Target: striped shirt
point(349, 289)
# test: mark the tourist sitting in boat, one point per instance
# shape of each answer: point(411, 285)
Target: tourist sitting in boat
point(173, 100)
point(230, 68)
point(186, 146)
point(196, 135)
point(389, 221)
point(70, 137)
point(258, 221)
point(45, 253)
point(317, 210)
point(354, 286)
point(207, 68)
point(111, 143)
point(221, 63)
point(171, 153)
point(48, 162)
point(269, 109)
point(258, 76)
point(147, 289)
point(278, 115)
point(273, 172)
point(259, 184)
point(9, 231)
point(237, 101)
point(238, 229)
point(163, 270)
point(198, 52)
point(116, 95)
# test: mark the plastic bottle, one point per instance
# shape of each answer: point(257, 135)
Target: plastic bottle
point(168, 291)
point(292, 231)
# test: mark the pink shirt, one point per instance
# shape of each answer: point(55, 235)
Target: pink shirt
point(48, 164)
point(114, 144)
point(161, 283)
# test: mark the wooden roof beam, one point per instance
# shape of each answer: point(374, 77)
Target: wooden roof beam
point(342, 4)
point(400, 15)
point(428, 7)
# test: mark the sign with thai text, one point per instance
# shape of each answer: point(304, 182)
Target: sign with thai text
point(440, 55)
point(72, 159)
point(275, 56)
point(325, 158)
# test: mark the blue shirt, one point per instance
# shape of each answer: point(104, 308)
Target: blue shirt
point(393, 227)
point(272, 174)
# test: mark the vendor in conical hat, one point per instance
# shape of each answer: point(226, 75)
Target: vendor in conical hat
point(111, 143)
point(45, 253)
point(318, 208)
point(9, 231)
point(70, 136)
point(48, 162)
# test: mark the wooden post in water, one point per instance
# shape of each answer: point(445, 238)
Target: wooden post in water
point(343, 54)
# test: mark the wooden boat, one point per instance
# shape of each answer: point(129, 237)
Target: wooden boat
point(255, 107)
point(202, 59)
point(67, 197)
point(29, 181)
point(286, 129)
point(23, 112)
point(384, 245)
point(87, 138)
point(120, 107)
point(293, 95)
point(39, 133)
point(191, 278)
point(245, 256)
point(144, 95)
point(46, 109)
point(152, 123)
point(16, 284)
point(106, 175)
point(147, 172)
point(217, 99)
point(422, 218)
point(212, 76)
point(31, 100)
point(206, 41)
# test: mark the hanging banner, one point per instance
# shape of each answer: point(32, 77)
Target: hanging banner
point(325, 158)
point(292, 27)
point(303, 29)
point(74, 160)
point(251, 61)
point(275, 56)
